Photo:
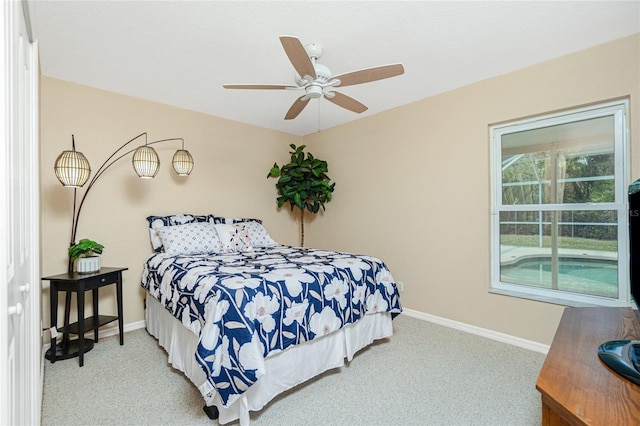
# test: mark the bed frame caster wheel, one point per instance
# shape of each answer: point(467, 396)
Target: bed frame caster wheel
point(212, 411)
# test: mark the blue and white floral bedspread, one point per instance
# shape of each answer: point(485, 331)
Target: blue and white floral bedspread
point(247, 306)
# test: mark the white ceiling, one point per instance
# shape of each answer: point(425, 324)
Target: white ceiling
point(181, 52)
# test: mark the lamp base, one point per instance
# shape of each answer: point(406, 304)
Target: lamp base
point(69, 349)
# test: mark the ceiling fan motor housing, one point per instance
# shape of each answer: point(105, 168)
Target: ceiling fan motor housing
point(323, 75)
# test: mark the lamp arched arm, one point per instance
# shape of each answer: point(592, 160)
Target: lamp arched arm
point(103, 168)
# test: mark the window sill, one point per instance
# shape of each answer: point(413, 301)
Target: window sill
point(545, 299)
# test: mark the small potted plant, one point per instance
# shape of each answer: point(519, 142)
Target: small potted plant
point(86, 252)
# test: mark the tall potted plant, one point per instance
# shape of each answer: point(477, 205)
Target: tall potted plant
point(303, 183)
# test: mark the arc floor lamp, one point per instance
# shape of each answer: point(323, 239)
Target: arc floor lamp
point(73, 170)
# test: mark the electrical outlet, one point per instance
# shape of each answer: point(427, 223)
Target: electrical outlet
point(400, 286)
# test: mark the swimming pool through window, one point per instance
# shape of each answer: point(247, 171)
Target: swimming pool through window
point(559, 222)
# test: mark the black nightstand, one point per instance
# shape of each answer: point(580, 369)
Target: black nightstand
point(79, 283)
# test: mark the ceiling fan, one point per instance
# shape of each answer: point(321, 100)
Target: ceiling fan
point(316, 79)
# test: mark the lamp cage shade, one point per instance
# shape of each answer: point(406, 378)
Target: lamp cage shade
point(182, 162)
point(72, 169)
point(146, 162)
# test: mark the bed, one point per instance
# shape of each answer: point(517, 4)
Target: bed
point(246, 318)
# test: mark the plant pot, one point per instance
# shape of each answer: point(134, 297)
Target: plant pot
point(87, 265)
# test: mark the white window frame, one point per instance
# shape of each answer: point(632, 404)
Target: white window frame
point(619, 110)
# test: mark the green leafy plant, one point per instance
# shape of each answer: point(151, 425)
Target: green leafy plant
point(84, 248)
point(303, 183)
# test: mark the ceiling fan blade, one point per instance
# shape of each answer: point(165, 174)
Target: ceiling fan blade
point(298, 56)
point(297, 107)
point(258, 86)
point(347, 102)
point(369, 74)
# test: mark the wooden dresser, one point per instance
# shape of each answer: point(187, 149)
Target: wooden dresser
point(579, 389)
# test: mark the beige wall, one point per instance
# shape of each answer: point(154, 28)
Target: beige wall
point(229, 178)
point(399, 178)
point(413, 183)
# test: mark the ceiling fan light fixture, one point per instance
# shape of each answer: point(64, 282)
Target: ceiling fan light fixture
point(314, 92)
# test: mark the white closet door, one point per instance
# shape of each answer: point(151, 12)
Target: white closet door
point(20, 341)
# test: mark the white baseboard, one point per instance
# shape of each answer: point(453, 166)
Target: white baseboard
point(472, 329)
point(484, 332)
point(112, 331)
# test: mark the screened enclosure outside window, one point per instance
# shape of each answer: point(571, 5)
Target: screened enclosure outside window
point(559, 219)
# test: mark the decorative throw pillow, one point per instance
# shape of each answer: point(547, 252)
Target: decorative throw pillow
point(192, 238)
point(218, 219)
point(157, 222)
point(258, 235)
point(234, 237)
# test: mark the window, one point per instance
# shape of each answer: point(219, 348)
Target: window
point(559, 217)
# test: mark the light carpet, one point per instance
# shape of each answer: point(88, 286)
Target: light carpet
point(425, 374)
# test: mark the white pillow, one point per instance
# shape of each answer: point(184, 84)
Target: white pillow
point(192, 238)
point(258, 235)
point(234, 237)
point(156, 222)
